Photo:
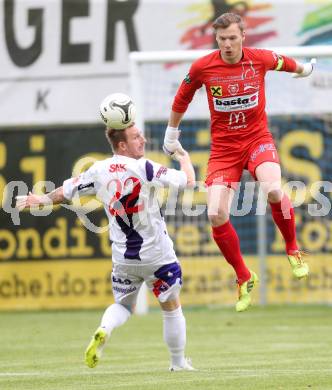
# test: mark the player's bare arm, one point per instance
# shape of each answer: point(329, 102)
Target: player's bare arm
point(187, 168)
point(175, 119)
point(33, 200)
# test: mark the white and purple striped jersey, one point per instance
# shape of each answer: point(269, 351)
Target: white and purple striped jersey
point(127, 189)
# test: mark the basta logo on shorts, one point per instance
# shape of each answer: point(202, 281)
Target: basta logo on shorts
point(237, 103)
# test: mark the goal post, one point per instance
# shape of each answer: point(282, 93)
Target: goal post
point(154, 79)
point(137, 60)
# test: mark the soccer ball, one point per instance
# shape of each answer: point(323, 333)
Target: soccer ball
point(118, 111)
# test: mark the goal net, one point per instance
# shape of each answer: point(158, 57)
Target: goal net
point(299, 113)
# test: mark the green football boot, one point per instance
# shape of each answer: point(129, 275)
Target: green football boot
point(299, 267)
point(244, 292)
point(95, 348)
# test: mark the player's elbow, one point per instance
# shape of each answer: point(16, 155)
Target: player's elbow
point(181, 103)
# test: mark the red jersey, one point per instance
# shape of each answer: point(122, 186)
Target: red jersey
point(235, 92)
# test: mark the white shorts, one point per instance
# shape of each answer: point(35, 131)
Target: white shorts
point(164, 281)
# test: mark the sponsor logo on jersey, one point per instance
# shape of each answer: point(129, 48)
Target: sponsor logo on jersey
point(187, 79)
point(161, 171)
point(117, 168)
point(215, 79)
point(233, 78)
point(236, 117)
point(84, 186)
point(248, 70)
point(233, 89)
point(237, 120)
point(248, 87)
point(216, 90)
point(239, 103)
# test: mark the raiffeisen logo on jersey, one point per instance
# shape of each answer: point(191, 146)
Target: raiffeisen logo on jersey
point(236, 103)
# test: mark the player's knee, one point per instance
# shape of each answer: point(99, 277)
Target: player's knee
point(274, 196)
point(170, 305)
point(219, 219)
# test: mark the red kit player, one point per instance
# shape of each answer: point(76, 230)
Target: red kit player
point(240, 139)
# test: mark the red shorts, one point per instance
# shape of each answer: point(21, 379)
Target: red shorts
point(227, 167)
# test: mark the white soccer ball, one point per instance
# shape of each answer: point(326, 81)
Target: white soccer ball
point(118, 111)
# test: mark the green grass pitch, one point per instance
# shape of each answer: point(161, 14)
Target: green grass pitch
point(277, 347)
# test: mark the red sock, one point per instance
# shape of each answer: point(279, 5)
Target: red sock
point(283, 216)
point(228, 242)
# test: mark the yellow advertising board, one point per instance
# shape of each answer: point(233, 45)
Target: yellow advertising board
point(55, 284)
point(75, 284)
